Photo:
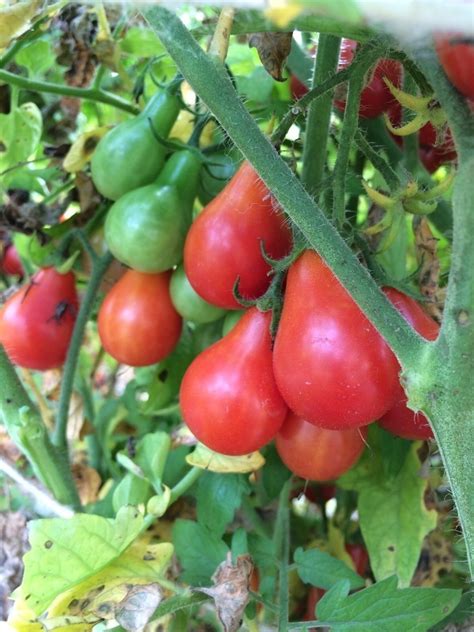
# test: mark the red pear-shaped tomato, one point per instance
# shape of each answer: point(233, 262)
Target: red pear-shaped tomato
point(456, 54)
point(331, 365)
point(223, 243)
point(36, 323)
point(228, 396)
point(400, 420)
point(138, 324)
point(318, 454)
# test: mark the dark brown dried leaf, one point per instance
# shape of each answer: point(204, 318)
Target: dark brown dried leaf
point(273, 49)
point(429, 272)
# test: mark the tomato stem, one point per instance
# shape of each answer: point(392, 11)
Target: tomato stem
point(89, 94)
point(98, 270)
point(185, 483)
point(27, 430)
point(319, 114)
point(281, 550)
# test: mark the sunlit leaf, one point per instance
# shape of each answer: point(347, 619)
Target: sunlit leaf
point(208, 460)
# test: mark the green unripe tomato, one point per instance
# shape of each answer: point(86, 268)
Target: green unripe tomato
point(231, 320)
point(188, 303)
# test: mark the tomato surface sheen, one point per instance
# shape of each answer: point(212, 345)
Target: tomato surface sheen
point(138, 324)
point(315, 453)
point(331, 365)
point(224, 242)
point(228, 395)
point(36, 323)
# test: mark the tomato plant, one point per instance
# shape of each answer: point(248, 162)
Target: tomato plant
point(138, 324)
point(36, 322)
point(318, 454)
point(224, 243)
point(375, 98)
point(228, 395)
point(11, 263)
point(331, 366)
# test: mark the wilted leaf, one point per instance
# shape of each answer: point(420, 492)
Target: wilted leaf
point(429, 272)
point(75, 417)
point(14, 19)
point(135, 610)
point(273, 49)
point(208, 460)
point(20, 133)
point(436, 560)
point(82, 149)
point(65, 552)
point(231, 590)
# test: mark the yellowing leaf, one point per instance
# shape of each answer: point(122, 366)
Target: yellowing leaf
point(183, 128)
point(20, 133)
point(208, 460)
point(21, 619)
point(14, 19)
point(82, 149)
point(337, 545)
point(66, 552)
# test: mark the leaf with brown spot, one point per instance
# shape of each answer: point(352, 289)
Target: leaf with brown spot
point(426, 246)
point(273, 49)
point(231, 590)
point(137, 607)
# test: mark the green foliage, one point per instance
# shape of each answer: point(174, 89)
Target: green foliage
point(20, 133)
point(393, 516)
point(218, 496)
point(384, 607)
point(324, 571)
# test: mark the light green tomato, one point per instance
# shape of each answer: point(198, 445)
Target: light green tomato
point(188, 302)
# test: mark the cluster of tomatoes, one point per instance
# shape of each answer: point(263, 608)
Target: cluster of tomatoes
point(314, 388)
point(436, 145)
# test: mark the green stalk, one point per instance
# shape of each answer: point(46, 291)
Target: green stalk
point(378, 161)
point(26, 429)
point(89, 94)
point(211, 82)
point(281, 551)
point(319, 115)
point(367, 57)
point(98, 270)
point(185, 483)
point(444, 386)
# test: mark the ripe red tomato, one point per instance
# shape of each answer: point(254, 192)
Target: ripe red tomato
point(456, 54)
point(138, 324)
point(223, 243)
point(36, 323)
point(360, 557)
point(375, 98)
point(400, 420)
point(228, 395)
point(297, 88)
point(11, 263)
point(316, 453)
point(331, 365)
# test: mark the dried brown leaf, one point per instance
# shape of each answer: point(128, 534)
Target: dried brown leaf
point(429, 273)
point(87, 481)
point(231, 590)
point(273, 49)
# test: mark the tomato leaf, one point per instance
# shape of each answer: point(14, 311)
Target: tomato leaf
point(20, 133)
point(132, 490)
point(214, 462)
point(66, 552)
point(218, 496)
point(384, 607)
point(199, 550)
point(393, 516)
point(324, 571)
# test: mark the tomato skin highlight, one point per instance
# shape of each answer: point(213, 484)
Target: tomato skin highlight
point(318, 454)
point(401, 420)
point(457, 60)
point(37, 322)
point(228, 395)
point(223, 243)
point(331, 365)
point(375, 98)
point(138, 324)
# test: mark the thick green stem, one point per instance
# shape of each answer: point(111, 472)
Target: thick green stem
point(349, 128)
point(281, 550)
point(26, 429)
point(319, 115)
point(211, 82)
point(379, 162)
point(98, 271)
point(89, 94)
point(443, 385)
